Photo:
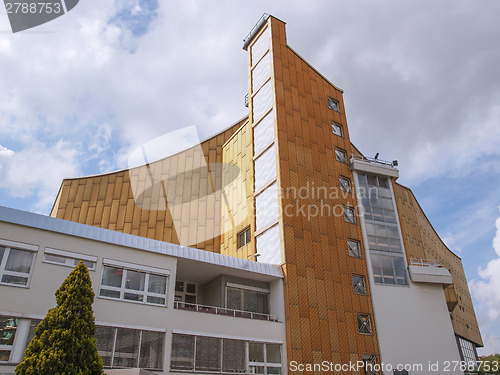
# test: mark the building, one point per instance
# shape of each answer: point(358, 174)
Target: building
point(332, 258)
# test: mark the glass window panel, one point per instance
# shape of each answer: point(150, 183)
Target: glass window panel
point(234, 298)
point(257, 370)
point(341, 155)
point(152, 344)
point(191, 288)
point(265, 168)
point(263, 133)
point(262, 101)
point(55, 258)
point(105, 337)
point(266, 206)
point(189, 298)
point(383, 182)
point(112, 276)
point(274, 370)
point(337, 129)
point(90, 265)
point(135, 280)
point(255, 302)
point(345, 184)
point(364, 325)
point(333, 104)
point(157, 284)
point(109, 293)
point(31, 331)
point(256, 352)
point(269, 247)
point(179, 286)
point(261, 72)
point(182, 352)
point(133, 297)
point(353, 248)
point(2, 252)
point(362, 179)
point(260, 46)
point(233, 356)
point(372, 180)
point(8, 328)
point(358, 284)
point(244, 238)
point(17, 280)
point(19, 261)
point(207, 354)
point(156, 300)
point(273, 353)
point(349, 215)
point(126, 347)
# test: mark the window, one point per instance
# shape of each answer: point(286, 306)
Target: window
point(16, 266)
point(353, 248)
point(244, 237)
point(341, 155)
point(345, 184)
point(333, 104)
point(210, 354)
point(185, 292)
point(8, 329)
point(388, 269)
point(337, 129)
point(134, 285)
point(251, 299)
point(349, 215)
point(120, 347)
point(364, 325)
point(68, 258)
point(370, 361)
point(358, 284)
point(467, 350)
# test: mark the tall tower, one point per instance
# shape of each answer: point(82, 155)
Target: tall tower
point(305, 201)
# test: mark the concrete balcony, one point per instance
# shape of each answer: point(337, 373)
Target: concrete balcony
point(375, 166)
point(429, 271)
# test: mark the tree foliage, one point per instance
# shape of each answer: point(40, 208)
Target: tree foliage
point(64, 342)
point(490, 364)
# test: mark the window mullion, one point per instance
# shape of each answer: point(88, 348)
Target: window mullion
point(114, 347)
point(124, 280)
point(139, 349)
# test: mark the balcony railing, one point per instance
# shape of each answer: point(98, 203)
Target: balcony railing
point(392, 164)
point(224, 311)
point(425, 262)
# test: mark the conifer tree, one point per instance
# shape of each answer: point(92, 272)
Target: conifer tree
point(64, 342)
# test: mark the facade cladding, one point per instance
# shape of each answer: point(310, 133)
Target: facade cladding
point(272, 246)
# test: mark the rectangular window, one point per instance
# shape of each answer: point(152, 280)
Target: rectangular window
point(364, 325)
point(68, 258)
point(333, 104)
point(141, 286)
point(185, 292)
point(353, 248)
point(370, 363)
point(247, 300)
point(358, 284)
point(345, 184)
point(130, 348)
point(349, 215)
point(388, 269)
point(16, 266)
point(337, 129)
point(244, 237)
point(341, 155)
point(8, 329)
point(201, 354)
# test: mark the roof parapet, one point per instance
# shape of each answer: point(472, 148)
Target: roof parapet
point(255, 30)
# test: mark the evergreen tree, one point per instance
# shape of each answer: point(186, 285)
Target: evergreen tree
point(64, 342)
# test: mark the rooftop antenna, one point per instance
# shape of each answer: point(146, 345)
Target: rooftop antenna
point(376, 156)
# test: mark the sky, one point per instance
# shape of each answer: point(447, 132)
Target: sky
point(421, 82)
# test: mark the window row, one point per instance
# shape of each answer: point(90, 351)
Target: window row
point(212, 354)
point(134, 285)
point(126, 348)
point(69, 259)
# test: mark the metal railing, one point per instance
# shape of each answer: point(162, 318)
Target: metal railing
point(224, 311)
point(426, 262)
point(392, 164)
point(254, 30)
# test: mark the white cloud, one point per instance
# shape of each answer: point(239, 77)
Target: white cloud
point(487, 292)
point(39, 170)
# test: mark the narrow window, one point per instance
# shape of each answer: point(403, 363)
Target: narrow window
point(244, 237)
point(364, 325)
point(337, 129)
point(349, 215)
point(345, 184)
point(333, 104)
point(353, 248)
point(358, 284)
point(341, 155)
